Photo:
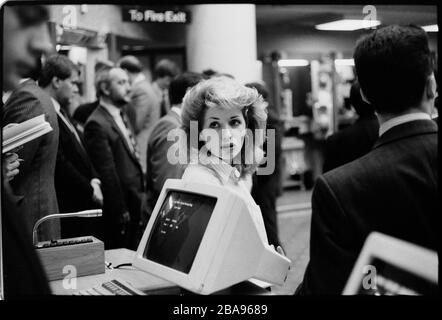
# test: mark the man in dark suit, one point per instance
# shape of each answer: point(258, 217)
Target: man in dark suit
point(392, 189)
point(22, 271)
point(113, 151)
point(76, 182)
point(82, 113)
point(267, 188)
point(356, 140)
point(159, 168)
point(35, 181)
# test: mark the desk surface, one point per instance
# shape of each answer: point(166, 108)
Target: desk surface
point(138, 279)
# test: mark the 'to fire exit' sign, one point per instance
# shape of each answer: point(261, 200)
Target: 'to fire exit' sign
point(148, 15)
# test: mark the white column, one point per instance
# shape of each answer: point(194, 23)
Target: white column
point(222, 37)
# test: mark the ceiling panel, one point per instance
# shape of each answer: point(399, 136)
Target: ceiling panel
point(310, 15)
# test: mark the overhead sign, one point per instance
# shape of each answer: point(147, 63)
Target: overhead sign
point(147, 15)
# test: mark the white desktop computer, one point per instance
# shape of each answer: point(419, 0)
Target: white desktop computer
point(204, 239)
point(390, 266)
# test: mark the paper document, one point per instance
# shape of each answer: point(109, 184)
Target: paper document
point(21, 133)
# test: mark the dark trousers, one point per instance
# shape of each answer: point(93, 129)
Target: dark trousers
point(265, 197)
point(117, 235)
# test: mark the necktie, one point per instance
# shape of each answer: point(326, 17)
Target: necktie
point(130, 135)
point(65, 117)
point(163, 104)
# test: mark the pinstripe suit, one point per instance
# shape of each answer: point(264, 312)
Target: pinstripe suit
point(35, 181)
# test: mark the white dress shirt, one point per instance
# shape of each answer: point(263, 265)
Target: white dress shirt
point(116, 115)
point(387, 125)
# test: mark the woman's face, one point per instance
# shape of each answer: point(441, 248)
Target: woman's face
point(224, 131)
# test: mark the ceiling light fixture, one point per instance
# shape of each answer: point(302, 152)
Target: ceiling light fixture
point(348, 25)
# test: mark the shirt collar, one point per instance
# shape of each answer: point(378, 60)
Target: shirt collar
point(222, 169)
point(7, 94)
point(113, 110)
point(56, 105)
point(387, 125)
point(23, 80)
point(177, 110)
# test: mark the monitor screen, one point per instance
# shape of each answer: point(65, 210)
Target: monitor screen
point(178, 229)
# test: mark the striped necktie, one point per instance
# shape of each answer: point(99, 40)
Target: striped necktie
point(131, 136)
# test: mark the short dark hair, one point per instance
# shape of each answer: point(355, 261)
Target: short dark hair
point(131, 64)
point(165, 68)
point(362, 108)
point(30, 15)
point(58, 66)
point(392, 65)
point(180, 84)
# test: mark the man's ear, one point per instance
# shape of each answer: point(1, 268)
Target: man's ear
point(431, 87)
point(104, 87)
point(363, 96)
point(56, 82)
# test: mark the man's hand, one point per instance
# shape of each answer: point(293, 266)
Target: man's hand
point(11, 162)
point(97, 195)
point(124, 222)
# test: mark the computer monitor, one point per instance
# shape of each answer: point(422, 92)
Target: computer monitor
point(389, 266)
point(204, 238)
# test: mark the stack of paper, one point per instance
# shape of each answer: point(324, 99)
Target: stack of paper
point(18, 134)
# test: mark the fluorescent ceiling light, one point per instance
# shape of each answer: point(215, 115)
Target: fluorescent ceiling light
point(293, 63)
point(431, 28)
point(348, 25)
point(344, 62)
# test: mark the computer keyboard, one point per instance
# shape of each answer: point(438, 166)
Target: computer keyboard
point(110, 288)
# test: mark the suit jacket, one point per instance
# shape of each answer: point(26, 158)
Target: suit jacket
point(351, 143)
point(392, 190)
point(83, 112)
point(144, 112)
point(119, 170)
point(23, 273)
point(73, 174)
point(158, 167)
point(35, 181)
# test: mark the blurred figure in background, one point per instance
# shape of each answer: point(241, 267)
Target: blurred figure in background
point(164, 72)
point(355, 141)
point(76, 182)
point(267, 188)
point(25, 37)
point(113, 150)
point(34, 182)
point(159, 104)
point(158, 167)
point(143, 110)
point(82, 113)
